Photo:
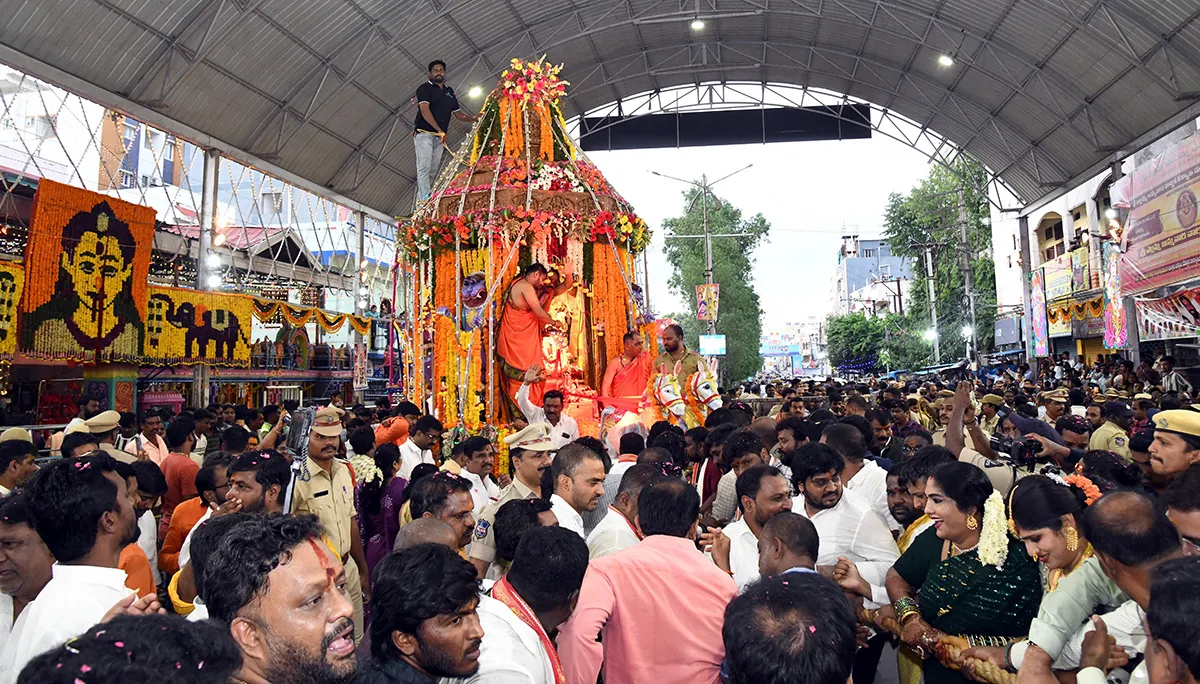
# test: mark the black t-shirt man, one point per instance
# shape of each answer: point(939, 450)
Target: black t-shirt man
point(442, 104)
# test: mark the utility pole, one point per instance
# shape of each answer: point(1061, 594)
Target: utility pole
point(972, 345)
point(928, 247)
point(705, 189)
point(937, 352)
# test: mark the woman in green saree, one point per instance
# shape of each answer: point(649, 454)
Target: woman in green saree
point(964, 580)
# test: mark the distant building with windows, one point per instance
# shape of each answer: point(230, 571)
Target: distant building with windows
point(869, 278)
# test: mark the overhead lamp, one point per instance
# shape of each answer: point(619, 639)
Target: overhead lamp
point(967, 331)
point(362, 303)
point(946, 60)
point(475, 92)
point(930, 335)
point(364, 264)
point(1110, 213)
point(212, 260)
point(363, 291)
point(219, 239)
point(697, 24)
point(214, 281)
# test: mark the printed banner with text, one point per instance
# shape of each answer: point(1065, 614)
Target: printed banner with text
point(707, 300)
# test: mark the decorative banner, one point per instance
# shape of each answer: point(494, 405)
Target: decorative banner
point(12, 283)
point(1059, 326)
point(1081, 277)
point(1039, 325)
point(1058, 277)
point(1169, 317)
point(1161, 241)
point(361, 367)
point(707, 301)
point(1116, 333)
point(1078, 310)
point(186, 327)
point(87, 267)
point(296, 316)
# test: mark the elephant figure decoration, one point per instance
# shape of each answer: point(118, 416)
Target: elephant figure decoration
point(220, 327)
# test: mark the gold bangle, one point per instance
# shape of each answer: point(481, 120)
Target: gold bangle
point(909, 615)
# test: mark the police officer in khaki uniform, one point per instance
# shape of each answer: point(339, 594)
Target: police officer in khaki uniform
point(1055, 402)
point(530, 452)
point(103, 427)
point(329, 495)
point(989, 408)
point(1113, 434)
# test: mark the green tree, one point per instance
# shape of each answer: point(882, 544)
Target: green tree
point(739, 313)
point(929, 214)
point(853, 340)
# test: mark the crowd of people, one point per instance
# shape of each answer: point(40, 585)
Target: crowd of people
point(989, 530)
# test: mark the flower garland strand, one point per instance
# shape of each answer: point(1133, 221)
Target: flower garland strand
point(993, 537)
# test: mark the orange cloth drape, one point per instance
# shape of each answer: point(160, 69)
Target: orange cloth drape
point(519, 344)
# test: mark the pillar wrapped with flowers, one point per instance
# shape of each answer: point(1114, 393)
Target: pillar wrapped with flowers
point(516, 194)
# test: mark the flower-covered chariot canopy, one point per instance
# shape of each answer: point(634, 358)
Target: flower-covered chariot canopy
point(519, 174)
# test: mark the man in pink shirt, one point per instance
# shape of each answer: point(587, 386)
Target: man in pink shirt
point(149, 442)
point(658, 605)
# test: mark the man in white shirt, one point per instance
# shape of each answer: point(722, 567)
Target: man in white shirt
point(763, 492)
point(84, 513)
point(618, 529)
point(25, 562)
point(425, 432)
point(563, 428)
point(578, 476)
point(861, 476)
point(526, 606)
point(846, 524)
point(477, 469)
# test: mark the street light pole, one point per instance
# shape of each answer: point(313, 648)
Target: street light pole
point(705, 189)
point(937, 352)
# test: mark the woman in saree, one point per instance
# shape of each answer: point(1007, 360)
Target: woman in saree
point(1042, 514)
point(963, 582)
point(378, 500)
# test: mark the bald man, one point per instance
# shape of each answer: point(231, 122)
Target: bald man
point(425, 531)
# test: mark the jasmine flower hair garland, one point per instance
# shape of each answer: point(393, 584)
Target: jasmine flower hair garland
point(993, 537)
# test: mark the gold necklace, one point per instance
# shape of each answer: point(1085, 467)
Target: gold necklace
point(1054, 576)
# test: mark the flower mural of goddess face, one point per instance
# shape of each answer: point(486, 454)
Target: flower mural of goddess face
point(92, 306)
point(98, 269)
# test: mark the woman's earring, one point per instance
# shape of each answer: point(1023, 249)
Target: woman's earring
point(1072, 536)
point(972, 523)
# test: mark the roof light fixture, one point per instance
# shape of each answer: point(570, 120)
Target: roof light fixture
point(697, 24)
point(946, 60)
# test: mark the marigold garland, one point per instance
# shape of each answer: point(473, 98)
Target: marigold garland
point(64, 218)
point(296, 316)
point(12, 284)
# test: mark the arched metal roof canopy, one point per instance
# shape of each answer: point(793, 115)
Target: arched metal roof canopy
point(1043, 92)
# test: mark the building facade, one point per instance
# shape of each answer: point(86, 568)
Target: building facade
point(869, 278)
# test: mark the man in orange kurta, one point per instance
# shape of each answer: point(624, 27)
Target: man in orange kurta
point(187, 514)
point(628, 375)
point(519, 341)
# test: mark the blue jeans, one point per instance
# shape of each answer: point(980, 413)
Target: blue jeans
point(429, 159)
